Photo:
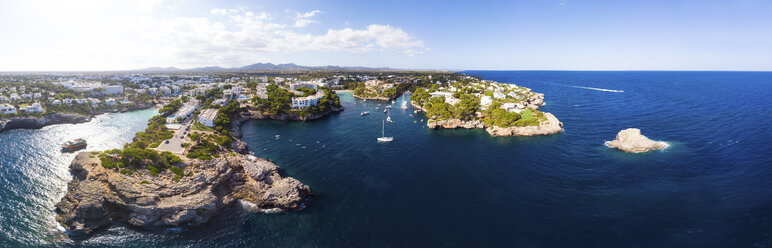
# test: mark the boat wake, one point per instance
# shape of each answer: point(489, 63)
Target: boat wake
point(598, 89)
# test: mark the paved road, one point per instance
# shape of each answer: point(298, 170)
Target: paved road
point(175, 143)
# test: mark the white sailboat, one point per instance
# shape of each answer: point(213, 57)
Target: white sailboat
point(388, 118)
point(383, 137)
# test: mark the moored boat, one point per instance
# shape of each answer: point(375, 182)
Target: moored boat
point(74, 145)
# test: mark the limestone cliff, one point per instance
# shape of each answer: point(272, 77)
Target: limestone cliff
point(97, 197)
point(551, 126)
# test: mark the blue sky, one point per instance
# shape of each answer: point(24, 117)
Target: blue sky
point(496, 35)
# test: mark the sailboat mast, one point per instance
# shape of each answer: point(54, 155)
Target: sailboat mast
point(383, 128)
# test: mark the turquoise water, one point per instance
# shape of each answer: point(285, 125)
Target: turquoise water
point(463, 188)
point(34, 173)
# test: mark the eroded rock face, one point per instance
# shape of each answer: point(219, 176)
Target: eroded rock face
point(551, 126)
point(631, 140)
point(97, 196)
point(455, 123)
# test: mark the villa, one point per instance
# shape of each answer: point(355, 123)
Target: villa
point(7, 109)
point(307, 101)
point(34, 108)
point(208, 116)
point(110, 101)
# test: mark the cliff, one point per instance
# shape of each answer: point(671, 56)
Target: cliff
point(631, 140)
point(35, 123)
point(379, 98)
point(551, 126)
point(97, 197)
point(254, 114)
point(31, 122)
point(454, 123)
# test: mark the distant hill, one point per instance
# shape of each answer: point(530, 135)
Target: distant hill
point(265, 67)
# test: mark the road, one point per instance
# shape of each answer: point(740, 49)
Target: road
point(175, 143)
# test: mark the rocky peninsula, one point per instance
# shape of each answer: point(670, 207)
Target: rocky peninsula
point(33, 122)
point(292, 116)
point(550, 124)
point(97, 197)
point(631, 140)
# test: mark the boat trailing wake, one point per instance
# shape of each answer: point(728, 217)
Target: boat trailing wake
point(598, 89)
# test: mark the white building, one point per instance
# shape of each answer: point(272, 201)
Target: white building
point(94, 101)
point(67, 101)
point(34, 108)
point(441, 93)
point(4, 98)
point(37, 95)
point(152, 91)
point(56, 102)
point(112, 89)
point(7, 109)
point(165, 90)
point(15, 97)
point(208, 116)
point(486, 101)
point(499, 95)
point(184, 111)
point(110, 102)
point(307, 101)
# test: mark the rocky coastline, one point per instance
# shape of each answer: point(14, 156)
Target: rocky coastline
point(632, 141)
point(97, 197)
point(31, 122)
point(258, 115)
point(551, 126)
point(379, 98)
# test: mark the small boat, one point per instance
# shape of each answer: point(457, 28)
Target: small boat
point(74, 145)
point(383, 137)
point(377, 108)
point(415, 111)
point(411, 115)
point(385, 111)
point(388, 118)
point(364, 113)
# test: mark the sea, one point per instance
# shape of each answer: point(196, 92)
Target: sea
point(712, 187)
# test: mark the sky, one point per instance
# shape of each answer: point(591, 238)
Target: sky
point(95, 35)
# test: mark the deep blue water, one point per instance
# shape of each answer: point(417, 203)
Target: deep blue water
point(711, 188)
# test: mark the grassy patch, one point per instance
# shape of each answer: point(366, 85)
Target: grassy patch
point(201, 127)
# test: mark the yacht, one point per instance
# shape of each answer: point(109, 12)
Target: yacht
point(383, 137)
point(364, 113)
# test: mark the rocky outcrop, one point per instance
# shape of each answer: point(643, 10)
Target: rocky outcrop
point(35, 123)
point(97, 197)
point(254, 114)
point(378, 98)
point(455, 123)
point(550, 126)
point(31, 122)
point(631, 140)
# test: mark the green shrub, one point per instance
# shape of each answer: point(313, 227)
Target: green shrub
point(155, 145)
point(177, 178)
point(144, 182)
point(176, 170)
point(107, 163)
point(127, 172)
point(153, 170)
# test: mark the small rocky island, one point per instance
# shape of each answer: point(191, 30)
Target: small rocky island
point(146, 184)
point(631, 140)
point(501, 109)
